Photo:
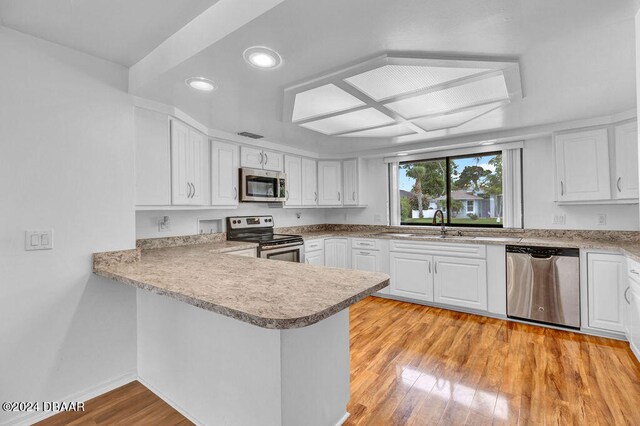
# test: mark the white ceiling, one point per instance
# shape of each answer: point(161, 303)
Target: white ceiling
point(121, 31)
point(577, 57)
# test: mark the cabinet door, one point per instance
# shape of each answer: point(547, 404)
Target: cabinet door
point(365, 260)
point(309, 182)
point(315, 258)
point(181, 160)
point(329, 183)
point(293, 169)
point(224, 174)
point(606, 283)
point(626, 146)
point(251, 157)
point(634, 318)
point(199, 168)
point(582, 166)
point(460, 282)
point(412, 276)
point(273, 161)
point(350, 173)
point(336, 253)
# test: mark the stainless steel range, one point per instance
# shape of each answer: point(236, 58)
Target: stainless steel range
point(259, 229)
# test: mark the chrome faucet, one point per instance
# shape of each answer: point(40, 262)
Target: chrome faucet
point(443, 231)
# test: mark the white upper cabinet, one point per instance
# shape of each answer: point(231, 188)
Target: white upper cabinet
point(350, 174)
point(224, 173)
point(626, 167)
point(153, 158)
point(261, 159)
point(273, 161)
point(582, 166)
point(330, 183)
point(293, 169)
point(309, 182)
point(189, 166)
point(606, 284)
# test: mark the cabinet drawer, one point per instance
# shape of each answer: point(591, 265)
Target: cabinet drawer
point(313, 245)
point(245, 253)
point(440, 249)
point(365, 243)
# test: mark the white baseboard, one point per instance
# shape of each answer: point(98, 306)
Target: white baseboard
point(27, 419)
point(171, 402)
point(343, 419)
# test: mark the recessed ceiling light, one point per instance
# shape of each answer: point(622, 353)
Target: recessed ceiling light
point(201, 83)
point(262, 57)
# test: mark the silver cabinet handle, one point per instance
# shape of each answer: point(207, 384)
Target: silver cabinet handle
point(633, 271)
point(561, 188)
point(266, 158)
point(354, 195)
point(235, 192)
point(625, 295)
point(261, 158)
point(435, 267)
point(338, 195)
point(194, 190)
point(618, 184)
point(365, 253)
point(315, 196)
point(188, 190)
point(429, 266)
point(287, 192)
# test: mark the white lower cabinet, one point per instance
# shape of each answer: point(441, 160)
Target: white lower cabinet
point(336, 253)
point(374, 259)
point(460, 282)
point(314, 252)
point(606, 284)
point(633, 317)
point(411, 275)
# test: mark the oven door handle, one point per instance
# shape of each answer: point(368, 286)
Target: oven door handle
point(273, 247)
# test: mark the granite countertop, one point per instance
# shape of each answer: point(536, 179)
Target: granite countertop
point(629, 248)
point(267, 293)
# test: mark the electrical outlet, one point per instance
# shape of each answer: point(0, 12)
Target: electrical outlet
point(164, 224)
point(38, 239)
point(559, 219)
point(602, 219)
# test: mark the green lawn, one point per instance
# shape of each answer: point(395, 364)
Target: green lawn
point(464, 221)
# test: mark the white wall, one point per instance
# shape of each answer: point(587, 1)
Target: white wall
point(66, 162)
point(186, 222)
point(539, 206)
point(538, 190)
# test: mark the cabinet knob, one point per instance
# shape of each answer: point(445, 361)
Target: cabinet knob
point(625, 295)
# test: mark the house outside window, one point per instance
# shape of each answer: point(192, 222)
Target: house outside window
point(468, 189)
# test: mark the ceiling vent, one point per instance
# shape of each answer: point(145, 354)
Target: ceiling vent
point(250, 135)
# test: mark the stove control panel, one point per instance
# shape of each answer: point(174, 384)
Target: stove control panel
point(244, 222)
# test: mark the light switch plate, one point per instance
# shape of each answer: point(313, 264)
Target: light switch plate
point(559, 219)
point(38, 239)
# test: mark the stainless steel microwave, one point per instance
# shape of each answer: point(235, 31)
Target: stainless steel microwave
point(262, 186)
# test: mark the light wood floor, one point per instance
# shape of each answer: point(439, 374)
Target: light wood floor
point(412, 364)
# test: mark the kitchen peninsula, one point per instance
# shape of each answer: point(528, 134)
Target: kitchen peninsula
point(229, 339)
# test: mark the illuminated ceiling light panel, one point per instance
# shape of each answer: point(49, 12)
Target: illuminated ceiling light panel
point(327, 99)
point(394, 80)
point(392, 131)
point(490, 89)
point(351, 121)
point(454, 119)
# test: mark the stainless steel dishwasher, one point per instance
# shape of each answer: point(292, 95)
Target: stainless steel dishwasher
point(543, 284)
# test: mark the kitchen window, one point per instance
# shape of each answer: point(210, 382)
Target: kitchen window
point(468, 188)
